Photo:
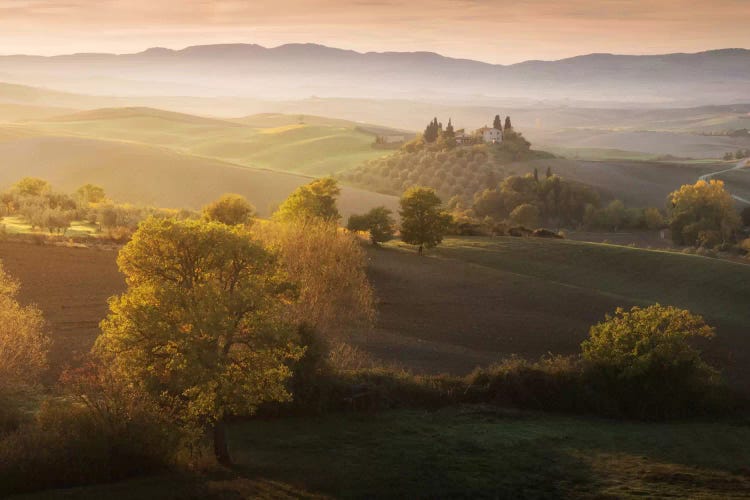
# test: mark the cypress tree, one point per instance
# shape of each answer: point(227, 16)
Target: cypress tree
point(498, 123)
point(508, 126)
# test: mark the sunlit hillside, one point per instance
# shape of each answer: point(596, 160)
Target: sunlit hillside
point(139, 173)
point(308, 145)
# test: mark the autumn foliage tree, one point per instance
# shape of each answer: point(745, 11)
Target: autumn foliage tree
point(199, 327)
point(316, 200)
point(702, 214)
point(231, 209)
point(23, 344)
point(423, 220)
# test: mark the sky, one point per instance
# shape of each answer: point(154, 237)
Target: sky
point(497, 31)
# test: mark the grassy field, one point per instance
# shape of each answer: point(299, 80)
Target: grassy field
point(303, 144)
point(150, 175)
point(469, 452)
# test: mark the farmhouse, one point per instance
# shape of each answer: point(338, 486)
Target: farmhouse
point(491, 135)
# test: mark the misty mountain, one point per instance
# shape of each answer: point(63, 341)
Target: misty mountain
point(297, 71)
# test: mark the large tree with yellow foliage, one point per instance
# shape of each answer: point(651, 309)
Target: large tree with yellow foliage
point(702, 214)
point(199, 327)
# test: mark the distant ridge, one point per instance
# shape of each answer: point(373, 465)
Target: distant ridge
point(295, 71)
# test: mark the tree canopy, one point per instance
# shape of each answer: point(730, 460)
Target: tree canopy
point(378, 222)
point(230, 209)
point(316, 200)
point(423, 221)
point(702, 214)
point(199, 325)
point(23, 344)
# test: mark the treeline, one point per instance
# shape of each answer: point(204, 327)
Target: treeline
point(740, 154)
point(551, 201)
point(46, 209)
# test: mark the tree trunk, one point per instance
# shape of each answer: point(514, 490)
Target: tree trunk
point(420, 250)
point(221, 450)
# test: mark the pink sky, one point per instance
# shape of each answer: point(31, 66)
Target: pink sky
point(501, 31)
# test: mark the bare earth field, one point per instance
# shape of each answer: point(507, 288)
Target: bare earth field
point(470, 303)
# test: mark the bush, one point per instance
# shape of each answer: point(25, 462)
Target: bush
point(68, 444)
point(643, 358)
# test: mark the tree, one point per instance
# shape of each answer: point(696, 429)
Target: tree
point(432, 131)
point(615, 215)
point(23, 344)
point(230, 209)
point(199, 326)
point(378, 222)
point(423, 222)
point(536, 175)
point(449, 132)
point(508, 126)
point(549, 172)
point(32, 186)
point(328, 269)
point(646, 352)
point(497, 123)
point(316, 200)
point(526, 215)
point(90, 193)
point(653, 218)
point(702, 214)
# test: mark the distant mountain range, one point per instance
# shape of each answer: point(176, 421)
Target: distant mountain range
point(298, 71)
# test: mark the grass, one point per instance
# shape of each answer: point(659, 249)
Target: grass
point(641, 276)
point(315, 146)
point(466, 452)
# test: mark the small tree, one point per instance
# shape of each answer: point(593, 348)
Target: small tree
point(23, 344)
point(230, 209)
point(316, 200)
point(526, 215)
point(653, 218)
point(508, 125)
point(423, 222)
point(90, 193)
point(32, 186)
point(199, 326)
point(378, 222)
point(497, 123)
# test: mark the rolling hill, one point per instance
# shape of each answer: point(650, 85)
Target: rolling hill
point(309, 145)
point(138, 173)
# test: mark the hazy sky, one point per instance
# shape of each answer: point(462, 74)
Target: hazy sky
point(502, 31)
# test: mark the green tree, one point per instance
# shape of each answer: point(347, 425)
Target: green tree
point(199, 326)
point(378, 222)
point(90, 193)
point(526, 215)
point(423, 221)
point(449, 132)
point(497, 123)
point(646, 354)
point(316, 200)
point(231, 209)
point(702, 214)
point(32, 186)
point(615, 215)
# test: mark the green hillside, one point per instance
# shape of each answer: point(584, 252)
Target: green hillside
point(290, 143)
point(144, 174)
